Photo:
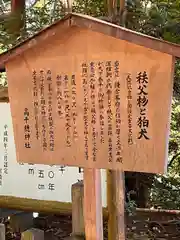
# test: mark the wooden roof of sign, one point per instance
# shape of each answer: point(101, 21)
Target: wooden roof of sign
point(94, 24)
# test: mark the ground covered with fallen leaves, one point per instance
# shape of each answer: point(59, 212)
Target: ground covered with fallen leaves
point(60, 228)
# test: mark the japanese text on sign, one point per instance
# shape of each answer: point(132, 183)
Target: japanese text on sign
point(101, 84)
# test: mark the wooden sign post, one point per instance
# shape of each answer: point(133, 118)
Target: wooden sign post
point(87, 93)
point(116, 205)
point(93, 204)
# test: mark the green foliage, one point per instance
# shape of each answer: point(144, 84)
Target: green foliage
point(130, 205)
point(37, 17)
point(175, 134)
point(165, 192)
point(95, 8)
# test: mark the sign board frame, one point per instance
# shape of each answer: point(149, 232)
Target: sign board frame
point(84, 25)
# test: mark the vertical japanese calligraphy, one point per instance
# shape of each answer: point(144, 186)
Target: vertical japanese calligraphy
point(142, 103)
point(93, 109)
point(101, 85)
point(84, 76)
point(108, 105)
point(43, 110)
point(74, 105)
point(117, 101)
point(129, 109)
point(66, 106)
point(67, 111)
point(59, 86)
point(101, 99)
point(109, 111)
point(27, 132)
point(35, 97)
point(50, 117)
point(101, 105)
point(5, 142)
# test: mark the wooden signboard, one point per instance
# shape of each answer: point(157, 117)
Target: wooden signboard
point(90, 94)
point(90, 100)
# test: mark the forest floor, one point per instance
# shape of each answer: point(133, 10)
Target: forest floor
point(60, 228)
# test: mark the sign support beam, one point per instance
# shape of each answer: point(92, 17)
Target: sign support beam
point(115, 205)
point(93, 204)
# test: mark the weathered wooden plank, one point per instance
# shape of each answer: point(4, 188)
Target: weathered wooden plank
point(41, 206)
point(93, 205)
point(125, 34)
point(115, 205)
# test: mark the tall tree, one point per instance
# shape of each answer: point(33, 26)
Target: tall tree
point(17, 12)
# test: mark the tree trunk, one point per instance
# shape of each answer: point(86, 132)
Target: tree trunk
point(17, 17)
